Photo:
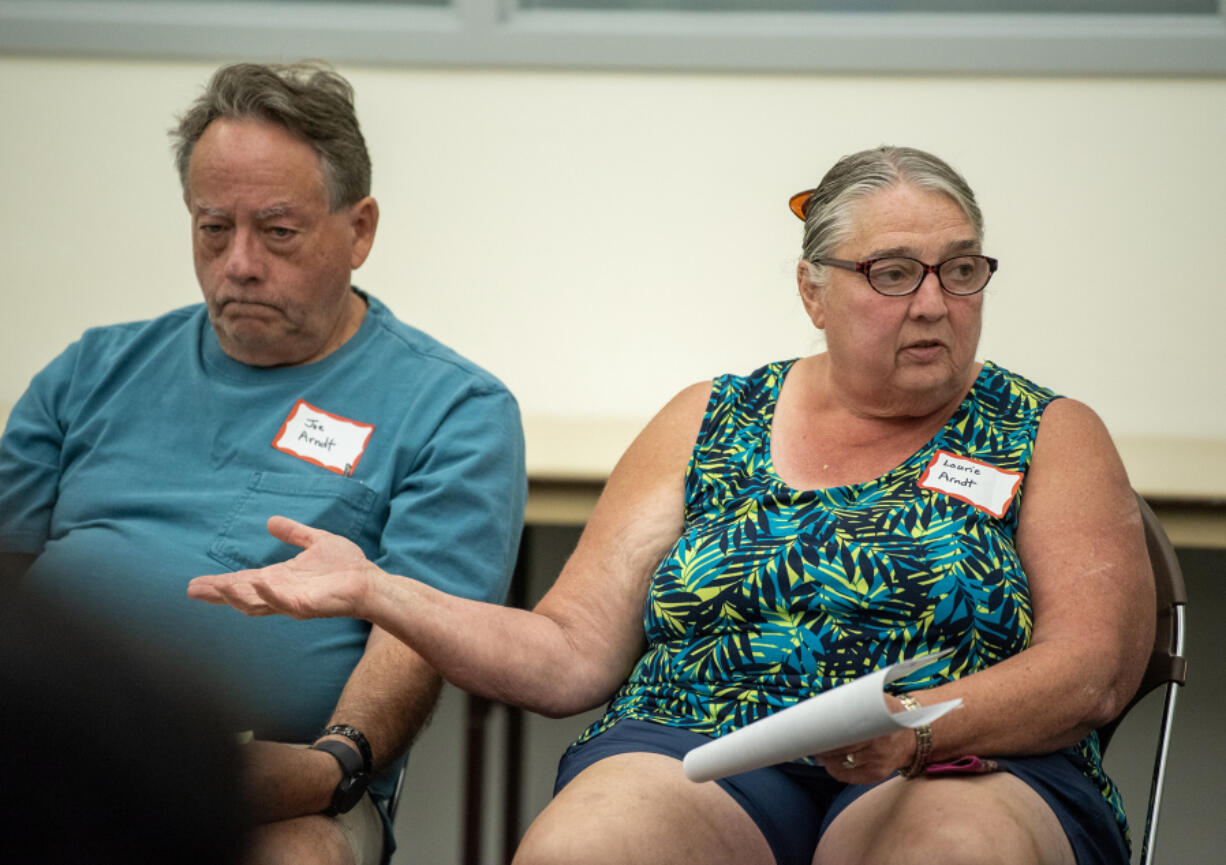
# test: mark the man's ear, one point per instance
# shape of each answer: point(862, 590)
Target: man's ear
point(812, 294)
point(363, 221)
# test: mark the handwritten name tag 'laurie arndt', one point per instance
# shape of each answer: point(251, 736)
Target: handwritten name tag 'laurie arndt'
point(325, 439)
point(974, 482)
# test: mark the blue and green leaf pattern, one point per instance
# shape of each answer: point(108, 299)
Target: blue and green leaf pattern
point(772, 595)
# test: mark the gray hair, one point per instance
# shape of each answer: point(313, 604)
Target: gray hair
point(854, 177)
point(309, 99)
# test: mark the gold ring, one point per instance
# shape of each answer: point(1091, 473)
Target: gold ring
point(849, 761)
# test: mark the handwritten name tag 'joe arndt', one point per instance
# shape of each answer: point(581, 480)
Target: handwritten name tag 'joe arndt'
point(325, 439)
point(974, 482)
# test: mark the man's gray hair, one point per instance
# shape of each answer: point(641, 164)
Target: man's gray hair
point(309, 99)
point(854, 177)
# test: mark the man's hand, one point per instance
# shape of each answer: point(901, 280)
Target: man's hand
point(329, 578)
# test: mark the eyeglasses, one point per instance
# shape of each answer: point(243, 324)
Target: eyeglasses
point(896, 276)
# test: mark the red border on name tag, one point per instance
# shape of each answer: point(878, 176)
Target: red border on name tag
point(370, 429)
point(1017, 480)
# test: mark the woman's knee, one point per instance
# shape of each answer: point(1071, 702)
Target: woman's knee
point(640, 809)
point(544, 845)
point(1000, 822)
point(958, 841)
point(970, 839)
point(565, 836)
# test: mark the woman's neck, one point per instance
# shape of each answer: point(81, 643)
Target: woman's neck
point(823, 437)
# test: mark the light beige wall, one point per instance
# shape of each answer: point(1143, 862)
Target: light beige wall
point(600, 240)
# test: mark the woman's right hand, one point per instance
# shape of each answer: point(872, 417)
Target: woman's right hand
point(331, 577)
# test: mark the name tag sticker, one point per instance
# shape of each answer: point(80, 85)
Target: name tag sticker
point(976, 483)
point(325, 439)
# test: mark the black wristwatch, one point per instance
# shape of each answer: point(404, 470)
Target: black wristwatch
point(355, 775)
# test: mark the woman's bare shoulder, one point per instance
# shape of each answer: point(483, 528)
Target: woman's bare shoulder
point(663, 447)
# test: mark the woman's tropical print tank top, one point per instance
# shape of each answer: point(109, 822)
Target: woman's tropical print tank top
point(772, 595)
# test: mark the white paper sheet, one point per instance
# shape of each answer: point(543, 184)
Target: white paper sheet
point(850, 713)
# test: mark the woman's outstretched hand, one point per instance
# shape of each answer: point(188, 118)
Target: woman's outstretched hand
point(330, 577)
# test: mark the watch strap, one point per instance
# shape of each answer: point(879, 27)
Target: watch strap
point(353, 776)
point(351, 762)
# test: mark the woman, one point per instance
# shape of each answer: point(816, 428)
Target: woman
point(792, 529)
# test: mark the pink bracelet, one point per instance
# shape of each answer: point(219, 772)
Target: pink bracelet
point(967, 765)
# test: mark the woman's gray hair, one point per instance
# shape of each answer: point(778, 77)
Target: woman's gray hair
point(309, 99)
point(854, 177)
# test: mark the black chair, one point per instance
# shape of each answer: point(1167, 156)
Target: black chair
point(1167, 665)
point(394, 802)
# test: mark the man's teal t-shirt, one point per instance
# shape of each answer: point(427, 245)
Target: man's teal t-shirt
point(144, 456)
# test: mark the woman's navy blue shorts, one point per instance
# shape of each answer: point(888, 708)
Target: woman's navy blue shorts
point(792, 804)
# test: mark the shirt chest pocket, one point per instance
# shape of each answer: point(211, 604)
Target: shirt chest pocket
point(335, 504)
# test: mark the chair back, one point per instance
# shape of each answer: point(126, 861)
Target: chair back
point(1167, 665)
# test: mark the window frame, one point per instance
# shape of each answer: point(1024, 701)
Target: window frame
point(498, 33)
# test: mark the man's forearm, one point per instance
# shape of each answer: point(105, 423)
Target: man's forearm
point(389, 696)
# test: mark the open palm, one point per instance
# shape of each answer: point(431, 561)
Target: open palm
point(330, 577)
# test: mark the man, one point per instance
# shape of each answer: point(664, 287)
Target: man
point(151, 452)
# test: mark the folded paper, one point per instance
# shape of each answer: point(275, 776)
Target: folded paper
point(849, 714)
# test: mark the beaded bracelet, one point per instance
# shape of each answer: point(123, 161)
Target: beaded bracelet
point(923, 741)
point(354, 735)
